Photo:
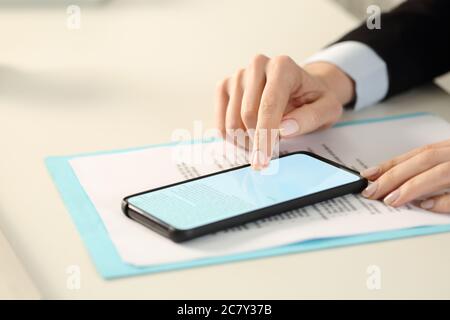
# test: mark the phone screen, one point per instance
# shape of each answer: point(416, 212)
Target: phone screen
point(225, 195)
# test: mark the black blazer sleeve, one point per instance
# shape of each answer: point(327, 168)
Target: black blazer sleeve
point(414, 41)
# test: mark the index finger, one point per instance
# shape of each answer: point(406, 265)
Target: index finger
point(274, 100)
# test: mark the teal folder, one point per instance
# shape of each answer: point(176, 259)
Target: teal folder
point(109, 263)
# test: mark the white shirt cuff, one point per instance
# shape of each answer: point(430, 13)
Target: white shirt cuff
point(367, 69)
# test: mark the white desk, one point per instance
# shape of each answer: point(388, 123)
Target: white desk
point(15, 283)
point(134, 72)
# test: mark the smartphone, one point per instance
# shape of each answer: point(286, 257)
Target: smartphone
point(225, 199)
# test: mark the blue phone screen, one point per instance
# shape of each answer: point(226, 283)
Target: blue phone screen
point(229, 194)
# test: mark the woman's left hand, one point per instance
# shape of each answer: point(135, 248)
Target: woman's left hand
point(413, 176)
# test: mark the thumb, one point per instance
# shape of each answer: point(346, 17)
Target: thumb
point(310, 117)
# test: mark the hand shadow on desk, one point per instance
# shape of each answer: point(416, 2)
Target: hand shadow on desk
point(235, 238)
point(62, 87)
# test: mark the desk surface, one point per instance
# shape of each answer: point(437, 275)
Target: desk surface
point(135, 71)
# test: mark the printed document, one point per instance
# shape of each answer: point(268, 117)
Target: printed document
point(108, 178)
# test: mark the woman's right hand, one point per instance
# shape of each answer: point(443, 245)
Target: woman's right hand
point(277, 96)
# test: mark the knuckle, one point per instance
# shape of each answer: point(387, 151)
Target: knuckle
point(239, 73)
point(389, 177)
point(255, 73)
point(282, 60)
point(248, 115)
point(285, 70)
point(428, 147)
point(222, 85)
point(444, 170)
point(388, 165)
point(259, 60)
point(428, 156)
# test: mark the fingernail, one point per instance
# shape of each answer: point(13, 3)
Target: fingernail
point(392, 197)
point(370, 172)
point(427, 204)
point(259, 160)
point(288, 127)
point(370, 190)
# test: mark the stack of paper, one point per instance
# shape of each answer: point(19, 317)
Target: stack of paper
point(108, 178)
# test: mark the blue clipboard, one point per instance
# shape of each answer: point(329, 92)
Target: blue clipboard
point(109, 263)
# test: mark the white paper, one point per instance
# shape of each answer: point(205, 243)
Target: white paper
point(108, 178)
